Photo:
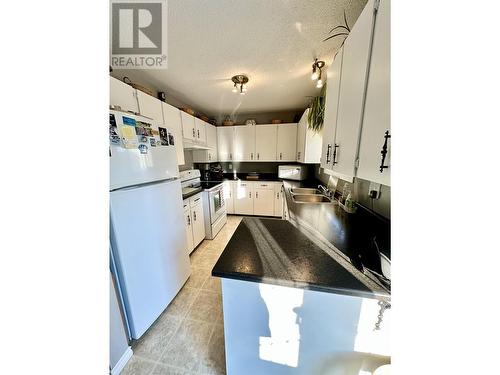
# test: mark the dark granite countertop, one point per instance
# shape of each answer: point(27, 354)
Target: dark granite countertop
point(190, 194)
point(355, 235)
point(243, 176)
point(274, 251)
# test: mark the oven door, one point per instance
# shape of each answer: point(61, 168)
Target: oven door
point(217, 204)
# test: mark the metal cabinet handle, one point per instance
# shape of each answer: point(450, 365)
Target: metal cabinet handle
point(335, 154)
point(230, 156)
point(198, 133)
point(384, 151)
point(298, 155)
point(251, 155)
point(277, 195)
point(281, 155)
point(257, 156)
point(189, 220)
point(209, 156)
point(328, 149)
point(194, 134)
point(256, 194)
point(194, 215)
point(250, 195)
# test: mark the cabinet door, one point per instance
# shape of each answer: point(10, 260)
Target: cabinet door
point(189, 230)
point(212, 143)
point(211, 136)
point(301, 136)
point(287, 142)
point(266, 142)
point(150, 106)
point(123, 95)
point(188, 128)
point(331, 110)
point(243, 198)
point(352, 89)
point(172, 120)
point(278, 200)
point(201, 132)
point(244, 143)
point(198, 223)
point(377, 114)
point(228, 197)
point(225, 138)
point(263, 203)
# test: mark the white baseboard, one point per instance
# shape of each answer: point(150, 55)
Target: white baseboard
point(122, 361)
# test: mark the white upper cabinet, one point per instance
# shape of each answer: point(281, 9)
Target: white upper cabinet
point(244, 143)
point(308, 142)
point(225, 137)
point(188, 127)
point(352, 89)
point(201, 132)
point(287, 142)
point(122, 95)
point(210, 155)
point(212, 137)
point(377, 114)
point(331, 109)
point(172, 120)
point(265, 142)
point(150, 107)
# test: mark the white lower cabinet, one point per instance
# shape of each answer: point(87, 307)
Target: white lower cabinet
point(278, 199)
point(243, 198)
point(228, 196)
point(189, 227)
point(254, 198)
point(195, 221)
point(263, 204)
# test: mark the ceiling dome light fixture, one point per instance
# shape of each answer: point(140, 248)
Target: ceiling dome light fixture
point(240, 84)
point(316, 72)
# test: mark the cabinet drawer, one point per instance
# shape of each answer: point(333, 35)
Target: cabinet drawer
point(264, 185)
point(195, 200)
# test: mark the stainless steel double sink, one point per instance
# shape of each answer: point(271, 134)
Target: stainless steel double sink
point(308, 195)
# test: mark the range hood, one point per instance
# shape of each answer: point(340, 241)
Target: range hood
point(194, 146)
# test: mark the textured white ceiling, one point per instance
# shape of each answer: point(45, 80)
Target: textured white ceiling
point(274, 42)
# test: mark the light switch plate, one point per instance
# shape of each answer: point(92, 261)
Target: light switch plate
point(374, 190)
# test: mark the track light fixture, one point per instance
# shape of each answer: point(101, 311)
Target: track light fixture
point(316, 72)
point(240, 84)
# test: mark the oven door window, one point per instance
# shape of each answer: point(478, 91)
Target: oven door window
point(217, 200)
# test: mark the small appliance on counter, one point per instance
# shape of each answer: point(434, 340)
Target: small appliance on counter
point(216, 173)
point(292, 172)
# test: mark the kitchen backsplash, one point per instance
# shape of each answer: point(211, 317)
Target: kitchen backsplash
point(188, 160)
point(360, 188)
point(259, 167)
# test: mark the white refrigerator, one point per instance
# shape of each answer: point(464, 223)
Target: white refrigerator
point(149, 256)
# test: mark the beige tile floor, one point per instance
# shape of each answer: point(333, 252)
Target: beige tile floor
point(188, 338)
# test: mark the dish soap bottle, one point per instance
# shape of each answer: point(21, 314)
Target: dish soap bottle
point(349, 204)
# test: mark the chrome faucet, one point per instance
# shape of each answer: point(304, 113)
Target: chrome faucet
point(325, 191)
